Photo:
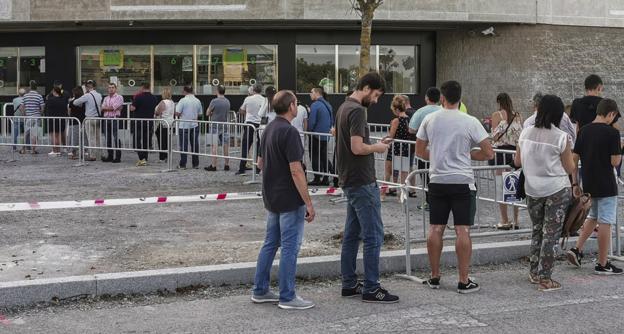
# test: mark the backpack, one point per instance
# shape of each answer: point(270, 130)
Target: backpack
point(577, 213)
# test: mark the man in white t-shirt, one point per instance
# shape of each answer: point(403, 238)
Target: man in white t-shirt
point(250, 111)
point(451, 135)
point(301, 122)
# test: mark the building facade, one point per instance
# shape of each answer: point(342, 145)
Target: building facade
point(543, 45)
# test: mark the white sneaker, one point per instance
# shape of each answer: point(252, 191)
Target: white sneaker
point(54, 154)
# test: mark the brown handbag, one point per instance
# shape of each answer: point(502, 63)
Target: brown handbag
point(577, 213)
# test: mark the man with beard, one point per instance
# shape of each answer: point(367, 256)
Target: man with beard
point(356, 170)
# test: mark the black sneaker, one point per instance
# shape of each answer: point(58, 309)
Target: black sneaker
point(469, 287)
point(574, 256)
point(210, 168)
point(608, 269)
point(226, 168)
point(434, 282)
point(352, 292)
point(381, 296)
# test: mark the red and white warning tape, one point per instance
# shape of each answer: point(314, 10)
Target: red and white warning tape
point(26, 206)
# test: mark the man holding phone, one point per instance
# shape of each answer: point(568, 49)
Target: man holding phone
point(286, 198)
point(355, 162)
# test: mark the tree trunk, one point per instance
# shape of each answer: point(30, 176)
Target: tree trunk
point(365, 40)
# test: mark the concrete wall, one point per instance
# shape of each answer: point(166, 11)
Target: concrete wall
point(560, 12)
point(523, 59)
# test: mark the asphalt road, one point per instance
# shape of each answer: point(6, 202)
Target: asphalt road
point(507, 303)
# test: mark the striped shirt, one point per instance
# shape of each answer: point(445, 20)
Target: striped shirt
point(33, 103)
point(114, 102)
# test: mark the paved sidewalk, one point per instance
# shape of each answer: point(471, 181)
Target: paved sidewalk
point(506, 304)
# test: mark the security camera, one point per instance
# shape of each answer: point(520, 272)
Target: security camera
point(488, 32)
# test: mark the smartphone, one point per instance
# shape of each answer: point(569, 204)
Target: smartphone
point(387, 140)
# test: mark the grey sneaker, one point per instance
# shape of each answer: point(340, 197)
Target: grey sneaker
point(268, 297)
point(297, 303)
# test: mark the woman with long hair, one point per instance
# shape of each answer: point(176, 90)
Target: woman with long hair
point(165, 111)
point(507, 126)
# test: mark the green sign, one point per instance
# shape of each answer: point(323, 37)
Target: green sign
point(111, 58)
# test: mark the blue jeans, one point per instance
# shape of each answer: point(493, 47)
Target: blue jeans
point(285, 230)
point(185, 138)
point(363, 222)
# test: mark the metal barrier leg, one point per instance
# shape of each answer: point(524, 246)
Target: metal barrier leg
point(408, 245)
point(254, 157)
point(617, 255)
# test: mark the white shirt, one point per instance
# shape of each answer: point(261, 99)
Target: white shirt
point(451, 135)
point(93, 103)
point(168, 113)
point(189, 109)
point(297, 122)
point(565, 125)
point(265, 112)
point(251, 106)
point(540, 152)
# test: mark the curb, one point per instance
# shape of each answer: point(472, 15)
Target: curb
point(24, 293)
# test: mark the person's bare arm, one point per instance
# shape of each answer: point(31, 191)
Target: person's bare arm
point(359, 148)
point(305, 124)
point(568, 162)
point(160, 108)
point(394, 125)
point(299, 178)
point(260, 163)
point(518, 158)
point(485, 151)
point(421, 149)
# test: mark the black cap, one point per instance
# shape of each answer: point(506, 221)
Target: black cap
point(57, 83)
point(90, 82)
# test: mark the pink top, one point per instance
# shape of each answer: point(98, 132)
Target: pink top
point(114, 102)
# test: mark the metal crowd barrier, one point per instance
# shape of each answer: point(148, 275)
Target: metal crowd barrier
point(378, 129)
point(4, 122)
point(617, 243)
point(116, 135)
point(28, 134)
point(194, 138)
point(319, 155)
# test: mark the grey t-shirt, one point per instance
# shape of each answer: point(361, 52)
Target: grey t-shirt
point(220, 107)
point(451, 135)
point(353, 170)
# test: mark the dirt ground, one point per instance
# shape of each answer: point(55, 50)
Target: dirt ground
point(67, 242)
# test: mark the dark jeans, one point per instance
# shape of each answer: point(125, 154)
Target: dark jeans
point(248, 138)
point(142, 137)
point(363, 222)
point(112, 139)
point(162, 134)
point(318, 157)
point(189, 136)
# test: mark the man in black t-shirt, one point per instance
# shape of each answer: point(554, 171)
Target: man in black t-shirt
point(286, 198)
point(143, 106)
point(598, 148)
point(584, 109)
point(355, 164)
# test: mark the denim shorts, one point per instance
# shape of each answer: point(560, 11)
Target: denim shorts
point(604, 210)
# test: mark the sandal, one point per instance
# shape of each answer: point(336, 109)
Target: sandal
point(504, 226)
point(547, 285)
point(412, 194)
point(534, 279)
